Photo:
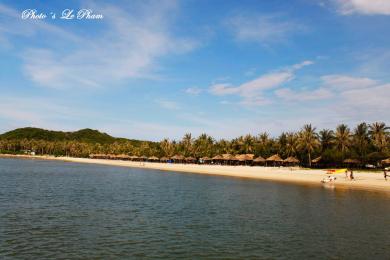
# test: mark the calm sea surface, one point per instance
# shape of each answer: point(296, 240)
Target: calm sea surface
point(51, 210)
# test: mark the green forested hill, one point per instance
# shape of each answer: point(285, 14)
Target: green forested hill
point(84, 135)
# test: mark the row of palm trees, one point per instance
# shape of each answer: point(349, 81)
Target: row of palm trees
point(369, 143)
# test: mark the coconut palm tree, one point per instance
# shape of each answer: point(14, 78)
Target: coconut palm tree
point(187, 143)
point(378, 132)
point(291, 144)
point(343, 138)
point(308, 140)
point(361, 139)
point(326, 137)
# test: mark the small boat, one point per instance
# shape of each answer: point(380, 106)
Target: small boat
point(329, 179)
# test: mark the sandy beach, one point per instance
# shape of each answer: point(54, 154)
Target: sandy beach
point(370, 181)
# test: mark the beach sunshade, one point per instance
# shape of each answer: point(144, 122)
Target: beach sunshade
point(153, 158)
point(351, 161)
point(316, 160)
point(291, 159)
point(178, 157)
point(240, 157)
point(217, 157)
point(274, 158)
point(190, 159)
point(164, 159)
point(205, 158)
point(249, 157)
point(386, 161)
point(259, 159)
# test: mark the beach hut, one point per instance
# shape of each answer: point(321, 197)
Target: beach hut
point(274, 160)
point(228, 159)
point(123, 157)
point(164, 159)
point(153, 159)
point(351, 163)
point(291, 161)
point(217, 159)
point(386, 162)
point(134, 158)
point(178, 158)
point(190, 159)
point(205, 160)
point(259, 161)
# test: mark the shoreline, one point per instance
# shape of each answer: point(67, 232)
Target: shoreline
point(369, 181)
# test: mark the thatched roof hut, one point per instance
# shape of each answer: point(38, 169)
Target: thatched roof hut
point(217, 158)
point(153, 158)
point(259, 160)
point(123, 157)
point(190, 159)
point(206, 159)
point(291, 159)
point(164, 159)
point(274, 158)
point(386, 161)
point(178, 157)
point(351, 161)
point(134, 157)
point(240, 157)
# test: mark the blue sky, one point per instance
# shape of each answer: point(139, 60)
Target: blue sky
point(155, 69)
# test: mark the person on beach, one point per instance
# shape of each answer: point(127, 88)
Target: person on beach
point(346, 173)
point(351, 176)
point(385, 174)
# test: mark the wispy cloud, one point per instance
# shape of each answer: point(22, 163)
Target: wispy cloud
point(194, 91)
point(365, 7)
point(252, 91)
point(128, 46)
point(262, 28)
point(168, 104)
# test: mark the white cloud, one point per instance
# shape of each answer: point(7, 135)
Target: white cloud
point(128, 45)
point(343, 82)
point(252, 91)
point(262, 28)
point(168, 104)
point(303, 95)
point(365, 7)
point(194, 91)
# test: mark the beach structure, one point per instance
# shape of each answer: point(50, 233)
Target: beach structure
point(190, 159)
point(153, 159)
point(178, 158)
point(351, 162)
point(386, 162)
point(274, 160)
point(259, 161)
point(134, 158)
point(217, 159)
point(205, 160)
point(290, 161)
point(164, 159)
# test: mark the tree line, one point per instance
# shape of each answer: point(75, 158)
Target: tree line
point(368, 143)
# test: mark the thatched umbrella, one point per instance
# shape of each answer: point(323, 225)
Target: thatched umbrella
point(205, 159)
point(275, 159)
point(190, 159)
point(291, 160)
point(164, 159)
point(386, 161)
point(240, 157)
point(153, 158)
point(217, 158)
point(259, 161)
point(134, 158)
point(178, 158)
point(351, 161)
point(122, 157)
point(317, 160)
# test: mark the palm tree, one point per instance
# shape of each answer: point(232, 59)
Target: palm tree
point(248, 143)
point(167, 147)
point(326, 139)
point(187, 143)
point(361, 139)
point(343, 138)
point(308, 140)
point(378, 132)
point(291, 144)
